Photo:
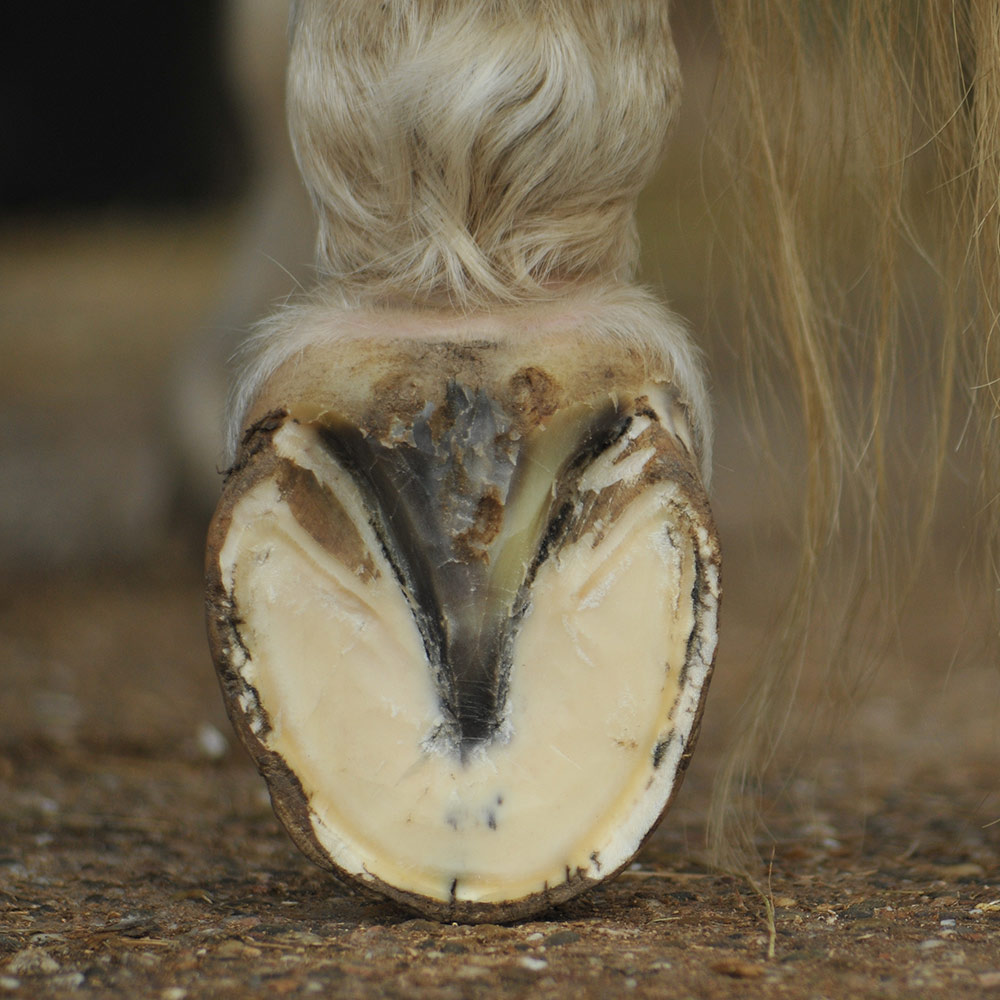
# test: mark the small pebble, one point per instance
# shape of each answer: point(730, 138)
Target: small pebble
point(43, 939)
point(310, 940)
point(174, 993)
point(9, 983)
point(211, 742)
point(535, 964)
point(561, 937)
point(536, 936)
point(419, 924)
point(736, 968)
point(472, 972)
point(68, 981)
point(931, 944)
point(30, 961)
point(231, 949)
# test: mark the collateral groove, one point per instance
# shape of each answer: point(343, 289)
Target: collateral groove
point(424, 493)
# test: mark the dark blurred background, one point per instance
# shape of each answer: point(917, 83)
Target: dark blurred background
point(116, 104)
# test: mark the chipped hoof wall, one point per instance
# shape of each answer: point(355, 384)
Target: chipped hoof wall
point(465, 620)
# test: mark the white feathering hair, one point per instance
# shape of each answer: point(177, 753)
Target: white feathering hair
point(620, 315)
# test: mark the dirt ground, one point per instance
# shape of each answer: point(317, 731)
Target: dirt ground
point(138, 853)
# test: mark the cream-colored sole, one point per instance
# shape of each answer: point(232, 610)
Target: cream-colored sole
point(464, 612)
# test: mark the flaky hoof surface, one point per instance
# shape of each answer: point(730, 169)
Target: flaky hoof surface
point(464, 609)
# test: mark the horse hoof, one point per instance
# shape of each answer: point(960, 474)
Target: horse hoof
point(462, 599)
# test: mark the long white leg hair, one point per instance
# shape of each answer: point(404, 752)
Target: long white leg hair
point(862, 144)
